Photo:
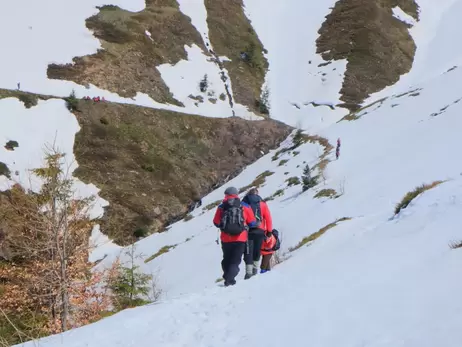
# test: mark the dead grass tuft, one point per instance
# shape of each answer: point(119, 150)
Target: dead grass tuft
point(407, 199)
point(326, 193)
point(161, 251)
point(279, 192)
point(317, 234)
point(258, 182)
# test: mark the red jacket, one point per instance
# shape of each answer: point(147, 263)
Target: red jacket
point(266, 220)
point(268, 245)
point(249, 219)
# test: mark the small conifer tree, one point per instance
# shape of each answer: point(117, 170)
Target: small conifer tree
point(130, 286)
point(307, 180)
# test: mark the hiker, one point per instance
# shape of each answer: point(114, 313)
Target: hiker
point(337, 150)
point(256, 235)
point(270, 245)
point(233, 218)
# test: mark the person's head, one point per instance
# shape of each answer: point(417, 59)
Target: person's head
point(253, 191)
point(231, 191)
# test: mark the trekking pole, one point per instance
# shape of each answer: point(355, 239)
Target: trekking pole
point(218, 237)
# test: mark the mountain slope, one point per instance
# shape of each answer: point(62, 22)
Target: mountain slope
point(353, 272)
point(378, 279)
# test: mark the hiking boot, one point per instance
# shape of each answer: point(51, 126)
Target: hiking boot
point(230, 283)
point(248, 271)
point(255, 268)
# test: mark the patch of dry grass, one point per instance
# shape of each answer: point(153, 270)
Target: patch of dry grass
point(212, 205)
point(279, 192)
point(317, 234)
point(293, 181)
point(161, 251)
point(407, 199)
point(326, 193)
point(29, 99)
point(258, 181)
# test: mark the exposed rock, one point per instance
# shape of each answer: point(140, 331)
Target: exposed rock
point(174, 159)
point(378, 46)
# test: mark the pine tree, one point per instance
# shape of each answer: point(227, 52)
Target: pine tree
point(48, 273)
point(130, 286)
point(308, 181)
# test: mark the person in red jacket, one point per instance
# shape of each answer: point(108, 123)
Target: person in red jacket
point(257, 234)
point(233, 218)
point(267, 250)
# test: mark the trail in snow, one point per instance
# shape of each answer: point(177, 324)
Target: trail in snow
point(392, 284)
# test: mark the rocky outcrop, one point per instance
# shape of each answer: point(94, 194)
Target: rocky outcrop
point(152, 164)
point(377, 46)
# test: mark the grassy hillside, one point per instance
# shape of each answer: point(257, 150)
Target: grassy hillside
point(152, 164)
point(378, 46)
point(127, 63)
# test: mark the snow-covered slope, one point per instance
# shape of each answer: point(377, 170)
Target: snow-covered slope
point(375, 280)
point(392, 283)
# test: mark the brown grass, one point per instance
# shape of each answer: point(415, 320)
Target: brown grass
point(407, 199)
point(377, 46)
point(230, 34)
point(257, 182)
point(161, 251)
point(151, 164)
point(29, 99)
point(212, 205)
point(317, 234)
point(293, 181)
point(279, 192)
point(326, 193)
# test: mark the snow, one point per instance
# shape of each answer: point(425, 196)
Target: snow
point(184, 79)
point(56, 36)
point(38, 129)
point(436, 51)
point(403, 16)
point(375, 280)
point(294, 75)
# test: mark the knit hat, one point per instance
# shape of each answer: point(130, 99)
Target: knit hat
point(231, 191)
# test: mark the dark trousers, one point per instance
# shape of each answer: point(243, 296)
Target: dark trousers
point(253, 249)
point(266, 262)
point(232, 256)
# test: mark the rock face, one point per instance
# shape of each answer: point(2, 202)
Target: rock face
point(378, 46)
point(151, 165)
point(232, 34)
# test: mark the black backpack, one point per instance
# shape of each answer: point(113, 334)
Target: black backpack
point(278, 240)
point(232, 220)
point(256, 210)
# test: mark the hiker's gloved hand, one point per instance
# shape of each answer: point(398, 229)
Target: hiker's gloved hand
point(269, 234)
